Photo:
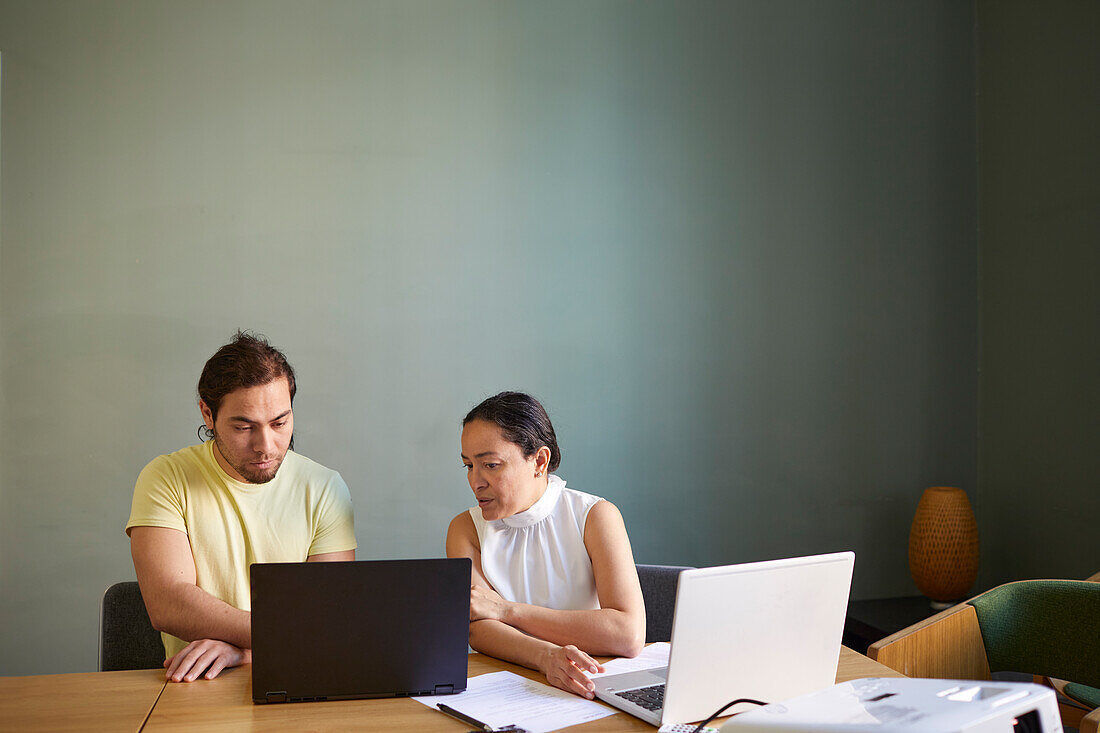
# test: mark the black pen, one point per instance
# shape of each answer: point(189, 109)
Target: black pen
point(448, 710)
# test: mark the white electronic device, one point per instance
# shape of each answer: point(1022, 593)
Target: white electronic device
point(909, 706)
point(760, 629)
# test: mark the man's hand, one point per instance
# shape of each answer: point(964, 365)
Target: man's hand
point(486, 603)
point(209, 655)
point(565, 667)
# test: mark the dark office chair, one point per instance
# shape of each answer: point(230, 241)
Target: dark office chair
point(659, 591)
point(127, 639)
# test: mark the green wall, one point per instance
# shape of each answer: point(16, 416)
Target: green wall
point(1039, 135)
point(732, 245)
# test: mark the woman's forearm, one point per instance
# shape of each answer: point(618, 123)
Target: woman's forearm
point(502, 641)
point(602, 632)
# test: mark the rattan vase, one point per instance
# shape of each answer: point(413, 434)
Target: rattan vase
point(943, 545)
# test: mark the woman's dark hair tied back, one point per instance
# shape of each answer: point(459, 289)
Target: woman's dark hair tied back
point(522, 420)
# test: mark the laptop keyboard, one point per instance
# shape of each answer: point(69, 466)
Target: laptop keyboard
point(650, 698)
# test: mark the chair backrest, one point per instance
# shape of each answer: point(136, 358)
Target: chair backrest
point(1043, 627)
point(127, 639)
point(659, 591)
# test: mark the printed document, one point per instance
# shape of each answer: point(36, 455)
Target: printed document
point(653, 656)
point(505, 698)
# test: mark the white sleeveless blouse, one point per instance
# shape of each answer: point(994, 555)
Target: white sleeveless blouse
point(538, 556)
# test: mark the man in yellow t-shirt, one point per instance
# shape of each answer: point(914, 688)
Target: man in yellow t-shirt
point(203, 514)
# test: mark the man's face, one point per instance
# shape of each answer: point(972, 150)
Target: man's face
point(252, 431)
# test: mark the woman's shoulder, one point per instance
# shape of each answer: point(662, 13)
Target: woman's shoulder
point(462, 533)
point(462, 522)
point(603, 510)
point(589, 510)
point(604, 523)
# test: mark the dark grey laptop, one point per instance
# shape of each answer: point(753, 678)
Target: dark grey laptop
point(345, 630)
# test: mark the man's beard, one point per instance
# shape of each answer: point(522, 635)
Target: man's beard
point(249, 474)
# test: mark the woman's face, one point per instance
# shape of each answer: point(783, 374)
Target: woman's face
point(504, 481)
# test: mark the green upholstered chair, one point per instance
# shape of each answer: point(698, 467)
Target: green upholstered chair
point(1046, 628)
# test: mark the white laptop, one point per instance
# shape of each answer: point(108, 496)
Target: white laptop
point(767, 631)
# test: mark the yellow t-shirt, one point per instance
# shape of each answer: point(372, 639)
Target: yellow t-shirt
point(305, 510)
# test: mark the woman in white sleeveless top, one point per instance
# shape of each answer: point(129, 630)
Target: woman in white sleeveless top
point(554, 581)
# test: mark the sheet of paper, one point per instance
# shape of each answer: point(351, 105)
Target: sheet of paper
point(503, 698)
point(654, 655)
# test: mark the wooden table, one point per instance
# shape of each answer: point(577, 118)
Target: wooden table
point(226, 704)
point(115, 701)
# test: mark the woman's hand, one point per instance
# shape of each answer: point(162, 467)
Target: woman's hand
point(209, 655)
point(486, 603)
point(565, 667)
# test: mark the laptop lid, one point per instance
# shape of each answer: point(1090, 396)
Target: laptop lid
point(343, 630)
point(765, 630)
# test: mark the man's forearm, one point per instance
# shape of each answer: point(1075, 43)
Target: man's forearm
point(188, 612)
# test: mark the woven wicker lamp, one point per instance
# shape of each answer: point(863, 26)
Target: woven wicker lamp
point(943, 545)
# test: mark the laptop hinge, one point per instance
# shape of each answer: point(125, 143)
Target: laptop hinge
point(276, 696)
point(444, 689)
